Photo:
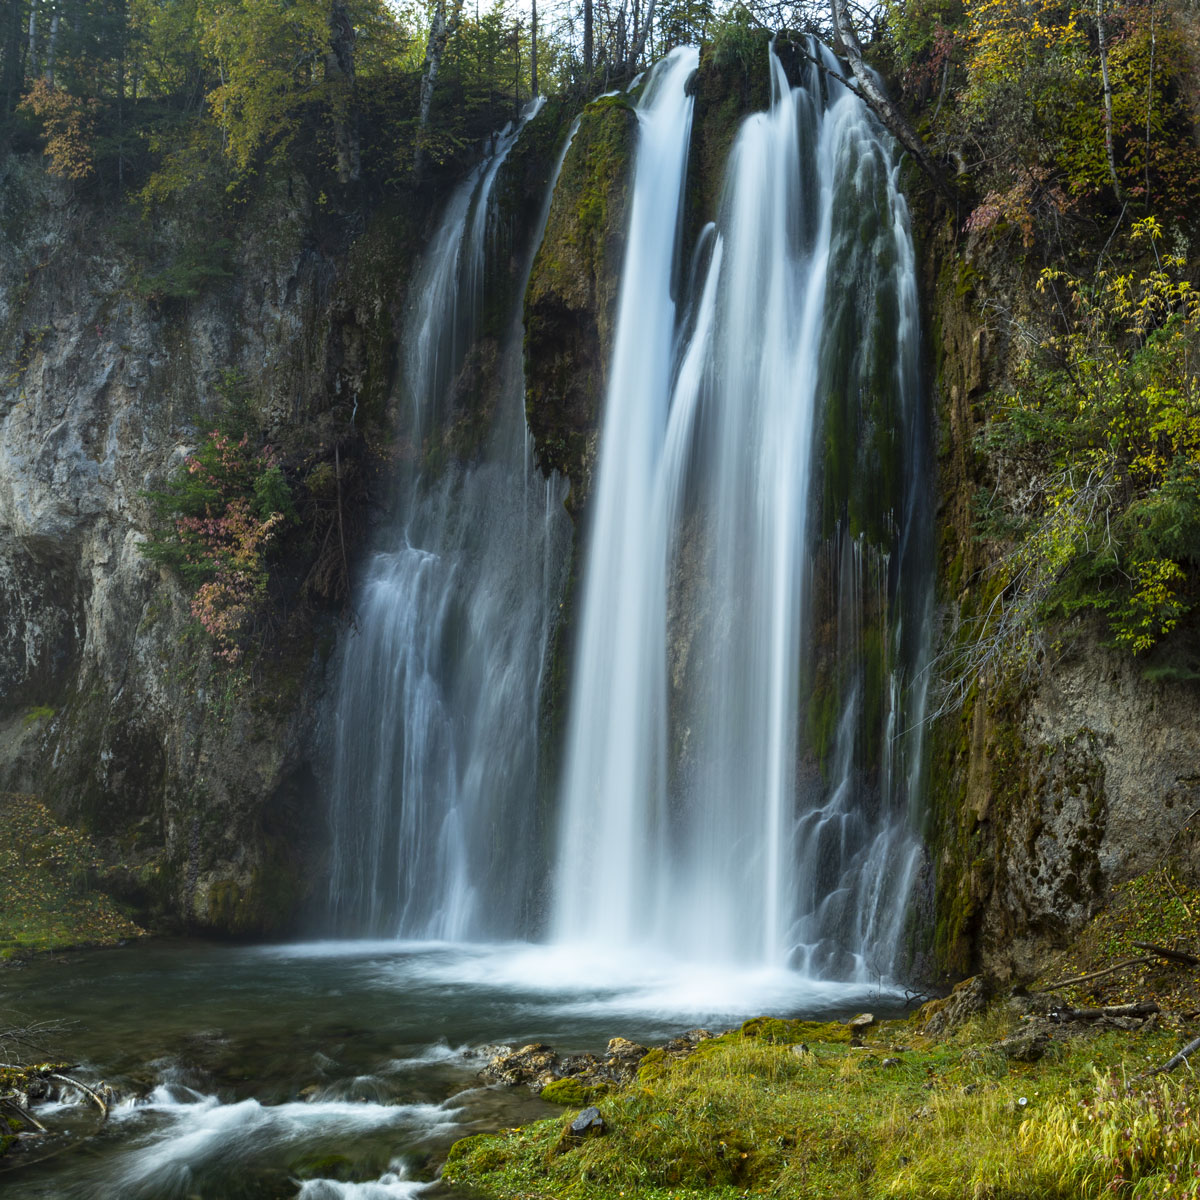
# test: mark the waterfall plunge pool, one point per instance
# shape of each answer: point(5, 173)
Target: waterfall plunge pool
point(339, 1069)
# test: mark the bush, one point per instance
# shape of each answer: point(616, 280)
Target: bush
point(220, 517)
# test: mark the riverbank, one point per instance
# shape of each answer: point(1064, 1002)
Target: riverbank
point(1006, 1105)
point(993, 1092)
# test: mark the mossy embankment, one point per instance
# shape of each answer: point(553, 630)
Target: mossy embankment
point(796, 1109)
point(48, 876)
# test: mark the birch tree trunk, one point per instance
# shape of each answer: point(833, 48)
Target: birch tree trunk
point(533, 79)
point(31, 54)
point(441, 30)
point(52, 46)
point(1107, 84)
point(893, 119)
point(639, 40)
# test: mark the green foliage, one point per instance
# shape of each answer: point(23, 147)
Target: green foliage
point(1013, 91)
point(196, 266)
point(1106, 421)
point(738, 40)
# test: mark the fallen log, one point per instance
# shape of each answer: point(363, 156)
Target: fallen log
point(1181, 956)
point(1124, 965)
point(1143, 1008)
point(1181, 1057)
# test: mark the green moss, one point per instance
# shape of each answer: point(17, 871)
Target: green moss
point(571, 298)
point(572, 1092)
point(777, 1031)
point(47, 901)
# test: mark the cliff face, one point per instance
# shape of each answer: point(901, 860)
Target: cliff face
point(1046, 791)
point(192, 776)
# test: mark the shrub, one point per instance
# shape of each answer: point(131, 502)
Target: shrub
point(220, 518)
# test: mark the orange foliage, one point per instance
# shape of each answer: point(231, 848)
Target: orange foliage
point(68, 122)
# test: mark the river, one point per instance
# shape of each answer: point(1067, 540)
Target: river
point(335, 1069)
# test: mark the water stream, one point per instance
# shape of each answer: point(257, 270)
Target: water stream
point(437, 710)
point(744, 750)
point(329, 1070)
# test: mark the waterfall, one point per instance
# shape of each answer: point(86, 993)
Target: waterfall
point(434, 821)
point(743, 739)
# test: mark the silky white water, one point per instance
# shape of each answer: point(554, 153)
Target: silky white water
point(741, 753)
point(436, 718)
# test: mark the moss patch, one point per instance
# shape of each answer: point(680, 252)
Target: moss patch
point(572, 1092)
point(778, 1032)
point(46, 898)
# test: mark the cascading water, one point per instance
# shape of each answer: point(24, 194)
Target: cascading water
point(743, 741)
point(437, 713)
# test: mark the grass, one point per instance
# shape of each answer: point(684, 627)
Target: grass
point(46, 902)
point(744, 1116)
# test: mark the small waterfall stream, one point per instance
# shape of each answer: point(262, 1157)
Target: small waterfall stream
point(437, 712)
point(743, 740)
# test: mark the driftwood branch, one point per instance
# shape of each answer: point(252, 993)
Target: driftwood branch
point(1143, 1008)
point(1180, 956)
point(1124, 965)
point(1181, 1057)
point(91, 1093)
point(21, 1113)
point(48, 1072)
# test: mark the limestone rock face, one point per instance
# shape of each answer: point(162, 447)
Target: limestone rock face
point(196, 780)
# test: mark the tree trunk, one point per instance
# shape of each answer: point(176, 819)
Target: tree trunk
point(892, 118)
point(533, 79)
point(587, 38)
point(51, 47)
point(31, 53)
point(1108, 113)
point(339, 73)
point(639, 41)
point(11, 82)
point(441, 30)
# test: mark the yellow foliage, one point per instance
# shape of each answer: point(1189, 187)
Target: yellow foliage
point(69, 125)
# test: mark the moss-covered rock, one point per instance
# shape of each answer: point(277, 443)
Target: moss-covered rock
point(570, 304)
point(779, 1031)
point(572, 1092)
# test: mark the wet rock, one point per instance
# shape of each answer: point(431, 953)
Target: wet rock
point(589, 1123)
point(890, 1062)
point(580, 1064)
point(535, 1064)
point(622, 1060)
point(489, 1050)
point(1026, 1046)
point(968, 998)
point(685, 1043)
